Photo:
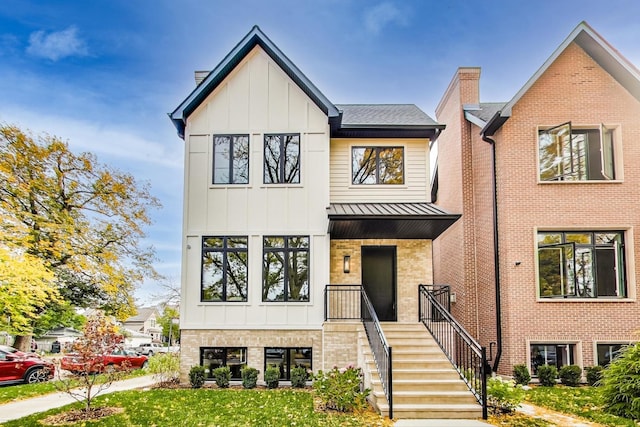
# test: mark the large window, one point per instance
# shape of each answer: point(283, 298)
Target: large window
point(286, 268)
point(569, 154)
point(224, 268)
point(607, 352)
point(231, 159)
point(214, 357)
point(575, 264)
point(286, 358)
point(377, 165)
point(282, 159)
point(557, 355)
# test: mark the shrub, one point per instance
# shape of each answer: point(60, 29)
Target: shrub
point(165, 368)
point(621, 383)
point(570, 375)
point(547, 375)
point(272, 376)
point(341, 390)
point(299, 377)
point(196, 376)
point(504, 395)
point(594, 375)
point(249, 377)
point(521, 374)
point(222, 376)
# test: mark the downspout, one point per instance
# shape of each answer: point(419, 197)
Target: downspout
point(496, 260)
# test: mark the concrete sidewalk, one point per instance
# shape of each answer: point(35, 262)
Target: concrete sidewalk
point(441, 423)
point(22, 408)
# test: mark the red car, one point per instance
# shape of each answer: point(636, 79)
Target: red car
point(19, 367)
point(118, 359)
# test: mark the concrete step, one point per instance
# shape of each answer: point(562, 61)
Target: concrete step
point(427, 411)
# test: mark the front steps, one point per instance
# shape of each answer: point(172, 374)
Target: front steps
point(425, 384)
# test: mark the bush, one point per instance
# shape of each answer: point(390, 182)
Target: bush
point(521, 374)
point(341, 390)
point(165, 368)
point(621, 383)
point(503, 395)
point(272, 376)
point(299, 377)
point(570, 375)
point(547, 375)
point(594, 375)
point(222, 376)
point(196, 376)
point(249, 377)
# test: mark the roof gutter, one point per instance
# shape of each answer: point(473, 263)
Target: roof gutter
point(491, 127)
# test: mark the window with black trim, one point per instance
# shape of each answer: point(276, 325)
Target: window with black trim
point(377, 165)
point(607, 352)
point(282, 158)
point(286, 358)
point(231, 159)
point(576, 154)
point(232, 357)
point(581, 264)
point(557, 355)
point(224, 268)
point(285, 275)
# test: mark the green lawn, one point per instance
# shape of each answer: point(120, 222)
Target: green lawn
point(215, 407)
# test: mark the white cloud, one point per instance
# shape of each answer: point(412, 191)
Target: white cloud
point(57, 44)
point(378, 17)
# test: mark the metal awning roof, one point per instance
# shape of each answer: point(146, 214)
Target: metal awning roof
point(388, 220)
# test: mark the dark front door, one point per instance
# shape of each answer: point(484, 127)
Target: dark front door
point(379, 279)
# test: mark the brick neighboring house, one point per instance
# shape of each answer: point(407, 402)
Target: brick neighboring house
point(567, 191)
point(287, 193)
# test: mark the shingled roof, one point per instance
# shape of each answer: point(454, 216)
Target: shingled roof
point(388, 115)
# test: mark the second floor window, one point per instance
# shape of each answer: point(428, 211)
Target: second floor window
point(282, 159)
point(377, 165)
point(231, 159)
point(285, 273)
point(577, 264)
point(570, 154)
point(224, 269)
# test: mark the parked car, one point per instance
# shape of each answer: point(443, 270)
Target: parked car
point(19, 367)
point(118, 359)
point(152, 348)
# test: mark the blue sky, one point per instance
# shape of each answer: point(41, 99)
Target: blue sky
point(104, 74)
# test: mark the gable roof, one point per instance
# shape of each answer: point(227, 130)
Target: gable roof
point(605, 55)
point(255, 37)
point(143, 315)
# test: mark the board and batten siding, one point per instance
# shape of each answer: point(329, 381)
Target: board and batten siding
point(416, 172)
point(256, 98)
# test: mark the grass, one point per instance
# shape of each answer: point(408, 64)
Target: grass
point(10, 393)
point(214, 407)
point(583, 401)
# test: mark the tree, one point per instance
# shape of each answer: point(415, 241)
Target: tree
point(26, 288)
point(100, 336)
point(167, 323)
point(83, 219)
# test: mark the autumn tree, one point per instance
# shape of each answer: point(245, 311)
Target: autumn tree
point(84, 220)
point(168, 322)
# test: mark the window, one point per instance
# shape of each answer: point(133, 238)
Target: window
point(569, 154)
point(286, 358)
point(557, 355)
point(224, 269)
point(231, 159)
point(608, 352)
point(574, 264)
point(377, 165)
point(282, 159)
point(214, 357)
point(286, 268)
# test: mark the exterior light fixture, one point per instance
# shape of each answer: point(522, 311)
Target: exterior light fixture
point(347, 264)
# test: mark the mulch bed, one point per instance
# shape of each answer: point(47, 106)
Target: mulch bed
point(75, 415)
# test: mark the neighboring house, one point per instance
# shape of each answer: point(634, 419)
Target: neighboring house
point(145, 322)
point(133, 339)
point(64, 336)
point(285, 194)
point(555, 279)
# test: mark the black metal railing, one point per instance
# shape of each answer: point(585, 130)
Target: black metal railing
point(468, 357)
point(349, 302)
